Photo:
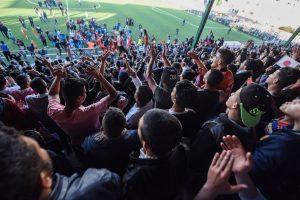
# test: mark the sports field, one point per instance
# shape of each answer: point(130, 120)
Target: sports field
point(159, 21)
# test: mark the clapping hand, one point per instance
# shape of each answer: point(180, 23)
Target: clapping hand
point(217, 178)
point(242, 160)
point(129, 70)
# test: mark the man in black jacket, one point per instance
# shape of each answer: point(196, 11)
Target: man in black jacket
point(26, 173)
point(4, 30)
point(159, 170)
point(244, 110)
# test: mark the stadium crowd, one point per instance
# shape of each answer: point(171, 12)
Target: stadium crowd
point(148, 119)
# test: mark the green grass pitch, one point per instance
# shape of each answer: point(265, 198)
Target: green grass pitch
point(158, 21)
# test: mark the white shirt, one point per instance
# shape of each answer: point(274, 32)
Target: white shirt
point(9, 90)
point(119, 40)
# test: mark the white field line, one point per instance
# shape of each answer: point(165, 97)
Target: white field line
point(81, 8)
point(160, 11)
point(188, 13)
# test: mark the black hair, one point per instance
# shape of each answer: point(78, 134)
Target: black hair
point(113, 122)
point(38, 85)
point(36, 136)
point(243, 55)
point(233, 68)
point(214, 78)
point(160, 64)
point(14, 74)
point(269, 61)
point(72, 88)
point(226, 55)
point(185, 93)
point(20, 166)
point(2, 81)
point(188, 74)
point(253, 55)
point(144, 95)
point(250, 64)
point(22, 80)
point(161, 131)
point(287, 76)
point(177, 66)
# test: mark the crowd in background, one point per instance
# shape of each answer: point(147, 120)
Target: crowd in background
point(148, 119)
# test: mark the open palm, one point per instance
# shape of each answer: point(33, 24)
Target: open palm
point(242, 160)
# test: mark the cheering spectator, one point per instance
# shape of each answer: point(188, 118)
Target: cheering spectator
point(76, 120)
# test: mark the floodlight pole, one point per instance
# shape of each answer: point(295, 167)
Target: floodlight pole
point(292, 37)
point(68, 15)
point(202, 23)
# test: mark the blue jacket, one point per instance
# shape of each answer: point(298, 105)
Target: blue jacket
point(4, 48)
point(112, 154)
point(276, 169)
point(92, 185)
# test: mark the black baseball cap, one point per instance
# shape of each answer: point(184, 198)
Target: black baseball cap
point(255, 100)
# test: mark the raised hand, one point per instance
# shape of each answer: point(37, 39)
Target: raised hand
point(46, 63)
point(103, 57)
point(165, 51)
point(43, 60)
point(217, 178)
point(248, 44)
point(242, 160)
point(85, 58)
point(33, 71)
point(153, 52)
point(193, 55)
point(92, 72)
point(129, 70)
point(296, 53)
point(59, 73)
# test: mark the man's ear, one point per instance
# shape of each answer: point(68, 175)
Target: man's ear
point(220, 62)
point(145, 146)
point(235, 105)
point(46, 179)
point(275, 81)
point(147, 149)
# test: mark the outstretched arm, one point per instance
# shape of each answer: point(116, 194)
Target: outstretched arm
point(164, 57)
point(149, 78)
point(47, 63)
point(112, 92)
point(103, 58)
point(135, 79)
point(55, 86)
point(198, 62)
